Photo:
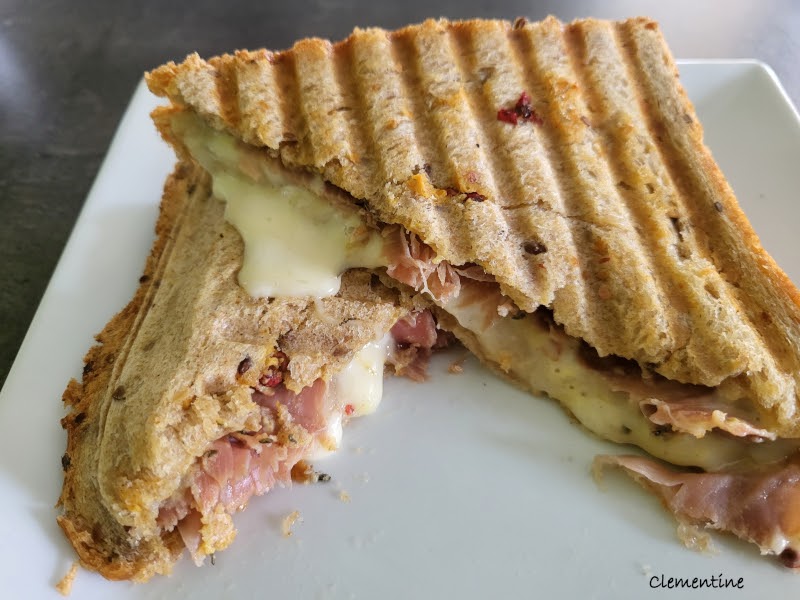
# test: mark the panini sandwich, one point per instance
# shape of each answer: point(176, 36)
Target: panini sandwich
point(200, 396)
point(543, 191)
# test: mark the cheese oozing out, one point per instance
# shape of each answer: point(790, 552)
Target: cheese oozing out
point(280, 221)
point(527, 351)
point(360, 385)
point(295, 242)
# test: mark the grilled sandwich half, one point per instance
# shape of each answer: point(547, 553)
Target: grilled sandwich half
point(543, 191)
point(199, 396)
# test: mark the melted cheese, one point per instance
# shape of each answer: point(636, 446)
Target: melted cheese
point(295, 242)
point(359, 384)
point(543, 363)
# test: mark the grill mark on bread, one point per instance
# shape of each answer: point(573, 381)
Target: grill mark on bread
point(319, 99)
point(358, 139)
point(227, 88)
point(591, 201)
point(598, 71)
point(428, 145)
point(720, 306)
point(574, 294)
point(516, 148)
point(686, 264)
point(451, 117)
point(387, 123)
point(499, 185)
point(292, 120)
point(533, 210)
point(501, 182)
point(258, 92)
point(618, 285)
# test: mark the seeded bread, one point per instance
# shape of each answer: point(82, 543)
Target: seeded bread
point(164, 380)
point(603, 205)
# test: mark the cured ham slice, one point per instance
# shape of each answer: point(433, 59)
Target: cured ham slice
point(757, 505)
point(417, 329)
point(699, 415)
point(693, 409)
point(242, 464)
point(415, 335)
point(414, 263)
point(308, 408)
point(411, 261)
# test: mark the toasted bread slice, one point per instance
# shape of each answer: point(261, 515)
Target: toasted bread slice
point(603, 204)
point(178, 371)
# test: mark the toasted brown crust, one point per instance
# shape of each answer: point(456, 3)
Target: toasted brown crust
point(98, 539)
point(611, 211)
point(163, 381)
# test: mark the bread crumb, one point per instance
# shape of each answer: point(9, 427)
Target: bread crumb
point(64, 586)
point(457, 366)
point(696, 539)
point(344, 496)
point(288, 522)
point(455, 369)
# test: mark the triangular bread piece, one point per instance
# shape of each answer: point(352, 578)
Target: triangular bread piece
point(199, 396)
point(546, 190)
point(608, 208)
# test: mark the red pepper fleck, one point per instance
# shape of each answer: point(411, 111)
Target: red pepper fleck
point(274, 375)
point(507, 116)
point(469, 195)
point(349, 409)
point(523, 109)
point(271, 378)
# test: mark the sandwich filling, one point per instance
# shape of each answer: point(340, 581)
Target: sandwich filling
point(687, 425)
point(295, 427)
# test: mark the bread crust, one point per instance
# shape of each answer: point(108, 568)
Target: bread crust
point(608, 209)
point(163, 381)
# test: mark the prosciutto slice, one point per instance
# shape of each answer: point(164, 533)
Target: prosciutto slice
point(411, 261)
point(415, 329)
point(699, 415)
point(242, 464)
point(758, 505)
point(692, 409)
point(415, 336)
point(308, 408)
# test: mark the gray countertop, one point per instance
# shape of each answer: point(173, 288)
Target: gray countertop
point(68, 69)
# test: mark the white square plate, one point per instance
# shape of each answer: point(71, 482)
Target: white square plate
point(461, 487)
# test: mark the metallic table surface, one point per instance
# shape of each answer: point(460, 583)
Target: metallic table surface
point(68, 69)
